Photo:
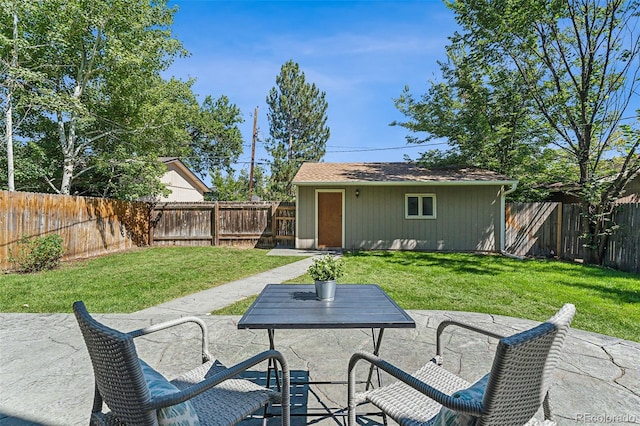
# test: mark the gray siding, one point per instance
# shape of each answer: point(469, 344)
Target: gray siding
point(468, 219)
point(305, 219)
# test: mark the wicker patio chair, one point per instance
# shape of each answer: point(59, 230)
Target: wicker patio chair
point(136, 394)
point(509, 395)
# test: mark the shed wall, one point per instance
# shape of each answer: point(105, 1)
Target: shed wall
point(305, 217)
point(468, 218)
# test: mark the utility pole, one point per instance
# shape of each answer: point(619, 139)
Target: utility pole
point(253, 151)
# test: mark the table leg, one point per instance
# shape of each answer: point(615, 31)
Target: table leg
point(376, 350)
point(272, 364)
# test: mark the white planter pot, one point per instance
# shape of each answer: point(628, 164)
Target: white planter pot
point(326, 290)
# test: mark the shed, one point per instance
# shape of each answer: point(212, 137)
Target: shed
point(399, 206)
point(184, 185)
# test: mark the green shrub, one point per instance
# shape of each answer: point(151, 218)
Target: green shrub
point(37, 253)
point(326, 268)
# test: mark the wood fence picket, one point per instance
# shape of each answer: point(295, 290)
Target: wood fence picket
point(96, 226)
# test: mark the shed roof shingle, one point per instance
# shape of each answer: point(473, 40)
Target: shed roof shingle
point(323, 173)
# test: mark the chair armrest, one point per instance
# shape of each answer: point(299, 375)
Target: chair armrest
point(206, 356)
point(446, 323)
point(209, 382)
point(457, 404)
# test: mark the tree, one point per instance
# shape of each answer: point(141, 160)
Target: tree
point(485, 115)
point(216, 141)
point(103, 61)
point(579, 62)
point(15, 91)
point(297, 127)
point(228, 187)
point(10, 89)
point(105, 114)
point(100, 63)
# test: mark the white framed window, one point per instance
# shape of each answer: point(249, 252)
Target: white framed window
point(420, 206)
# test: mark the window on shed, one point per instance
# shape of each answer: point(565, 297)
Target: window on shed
point(420, 206)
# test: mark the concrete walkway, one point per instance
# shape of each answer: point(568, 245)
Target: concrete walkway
point(206, 301)
point(46, 376)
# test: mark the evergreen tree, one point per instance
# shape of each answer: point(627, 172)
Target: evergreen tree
point(297, 126)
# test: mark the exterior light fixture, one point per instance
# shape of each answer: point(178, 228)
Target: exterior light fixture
point(357, 193)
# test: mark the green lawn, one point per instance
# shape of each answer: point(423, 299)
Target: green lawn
point(607, 301)
point(127, 282)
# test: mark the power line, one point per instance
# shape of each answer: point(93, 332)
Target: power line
point(330, 149)
point(373, 149)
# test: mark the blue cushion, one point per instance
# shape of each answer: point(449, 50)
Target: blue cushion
point(475, 393)
point(182, 414)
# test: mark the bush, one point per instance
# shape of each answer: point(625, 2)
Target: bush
point(326, 268)
point(35, 254)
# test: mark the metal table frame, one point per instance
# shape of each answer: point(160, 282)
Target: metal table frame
point(294, 306)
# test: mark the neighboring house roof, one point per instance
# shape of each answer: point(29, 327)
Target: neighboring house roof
point(567, 192)
point(632, 192)
point(188, 174)
point(393, 174)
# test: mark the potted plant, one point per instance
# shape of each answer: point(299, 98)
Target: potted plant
point(325, 270)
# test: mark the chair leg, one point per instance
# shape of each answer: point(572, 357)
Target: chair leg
point(97, 416)
point(351, 393)
point(546, 407)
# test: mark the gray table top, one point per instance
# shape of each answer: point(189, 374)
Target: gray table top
point(294, 306)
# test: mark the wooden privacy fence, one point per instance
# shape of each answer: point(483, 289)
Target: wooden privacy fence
point(250, 224)
point(96, 226)
point(553, 229)
point(88, 226)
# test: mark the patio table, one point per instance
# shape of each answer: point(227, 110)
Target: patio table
point(295, 306)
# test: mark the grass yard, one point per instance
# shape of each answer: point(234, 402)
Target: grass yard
point(127, 282)
point(607, 301)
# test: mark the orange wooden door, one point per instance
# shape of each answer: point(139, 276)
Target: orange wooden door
point(329, 219)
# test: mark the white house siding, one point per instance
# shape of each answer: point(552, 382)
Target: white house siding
point(468, 218)
point(181, 188)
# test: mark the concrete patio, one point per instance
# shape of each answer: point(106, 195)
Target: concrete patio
point(46, 376)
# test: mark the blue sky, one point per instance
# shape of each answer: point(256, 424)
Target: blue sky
point(361, 53)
